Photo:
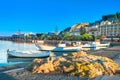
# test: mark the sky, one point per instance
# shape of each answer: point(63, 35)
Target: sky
point(42, 16)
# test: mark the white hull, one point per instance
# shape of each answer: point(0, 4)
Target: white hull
point(26, 54)
point(89, 46)
point(95, 45)
point(53, 48)
point(103, 45)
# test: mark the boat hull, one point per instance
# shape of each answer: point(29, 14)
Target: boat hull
point(38, 54)
point(58, 49)
point(103, 45)
point(89, 46)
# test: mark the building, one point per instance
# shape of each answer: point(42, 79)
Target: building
point(75, 29)
point(109, 29)
point(23, 36)
point(93, 28)
point(108, 26)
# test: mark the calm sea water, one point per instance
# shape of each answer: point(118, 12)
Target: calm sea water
point(4, 45)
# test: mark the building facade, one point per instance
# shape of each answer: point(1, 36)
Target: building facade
point(109, 29)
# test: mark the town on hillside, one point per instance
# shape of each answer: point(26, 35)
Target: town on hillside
point(108, 28)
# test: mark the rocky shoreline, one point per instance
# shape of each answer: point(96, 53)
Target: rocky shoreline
point(113, 53)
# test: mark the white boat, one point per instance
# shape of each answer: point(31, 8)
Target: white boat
point(59, 48)
point(25, 54)
point(95, 44)
point(103, 45)
point(89, 46)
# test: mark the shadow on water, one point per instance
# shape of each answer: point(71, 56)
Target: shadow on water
point(12, 59)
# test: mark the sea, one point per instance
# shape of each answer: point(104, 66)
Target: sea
point(5, 45)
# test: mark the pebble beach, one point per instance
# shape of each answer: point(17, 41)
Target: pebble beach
point(18, 72)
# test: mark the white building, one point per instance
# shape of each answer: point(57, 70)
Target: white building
point(23, 35)
point(94, 30)
point(109, 29)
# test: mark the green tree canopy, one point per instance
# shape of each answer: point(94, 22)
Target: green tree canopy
point(87, 36)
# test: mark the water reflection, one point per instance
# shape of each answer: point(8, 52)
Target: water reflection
point(4, 45)
point(3, 56)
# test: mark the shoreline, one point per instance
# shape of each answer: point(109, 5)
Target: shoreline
point(12, 67)
point(19, 73)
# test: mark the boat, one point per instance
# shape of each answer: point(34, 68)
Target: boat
point(103, 45)
point(59, 48)
point(89, 45)
point(95, 44)
point(28, 54)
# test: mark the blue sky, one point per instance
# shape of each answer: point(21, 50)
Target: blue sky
point(44, 15)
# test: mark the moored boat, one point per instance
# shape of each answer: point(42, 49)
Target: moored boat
point(95, 44)
point(103, 45)
point(59, 48)
point(28, 54)
point(89, 45)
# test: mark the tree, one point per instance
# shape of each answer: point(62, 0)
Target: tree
point(66, 35)
point(43, 36)
point(73, 37)
point(104, 18)
point(87, 36)
point(117, 15)
point(27, 37)
point(82, 30)
point(97, 37)
point(81, 37)
point(38, 35)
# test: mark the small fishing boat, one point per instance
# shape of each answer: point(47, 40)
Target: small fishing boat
point(95, 44)
point(59, 48)
point(89, 46)
point(28, 54)
point(103, 45)
point(98, 44)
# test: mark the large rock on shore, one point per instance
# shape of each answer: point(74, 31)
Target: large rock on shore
point(76, 64)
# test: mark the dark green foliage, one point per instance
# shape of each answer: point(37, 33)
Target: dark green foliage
point(115, 16)
point(82, 30)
